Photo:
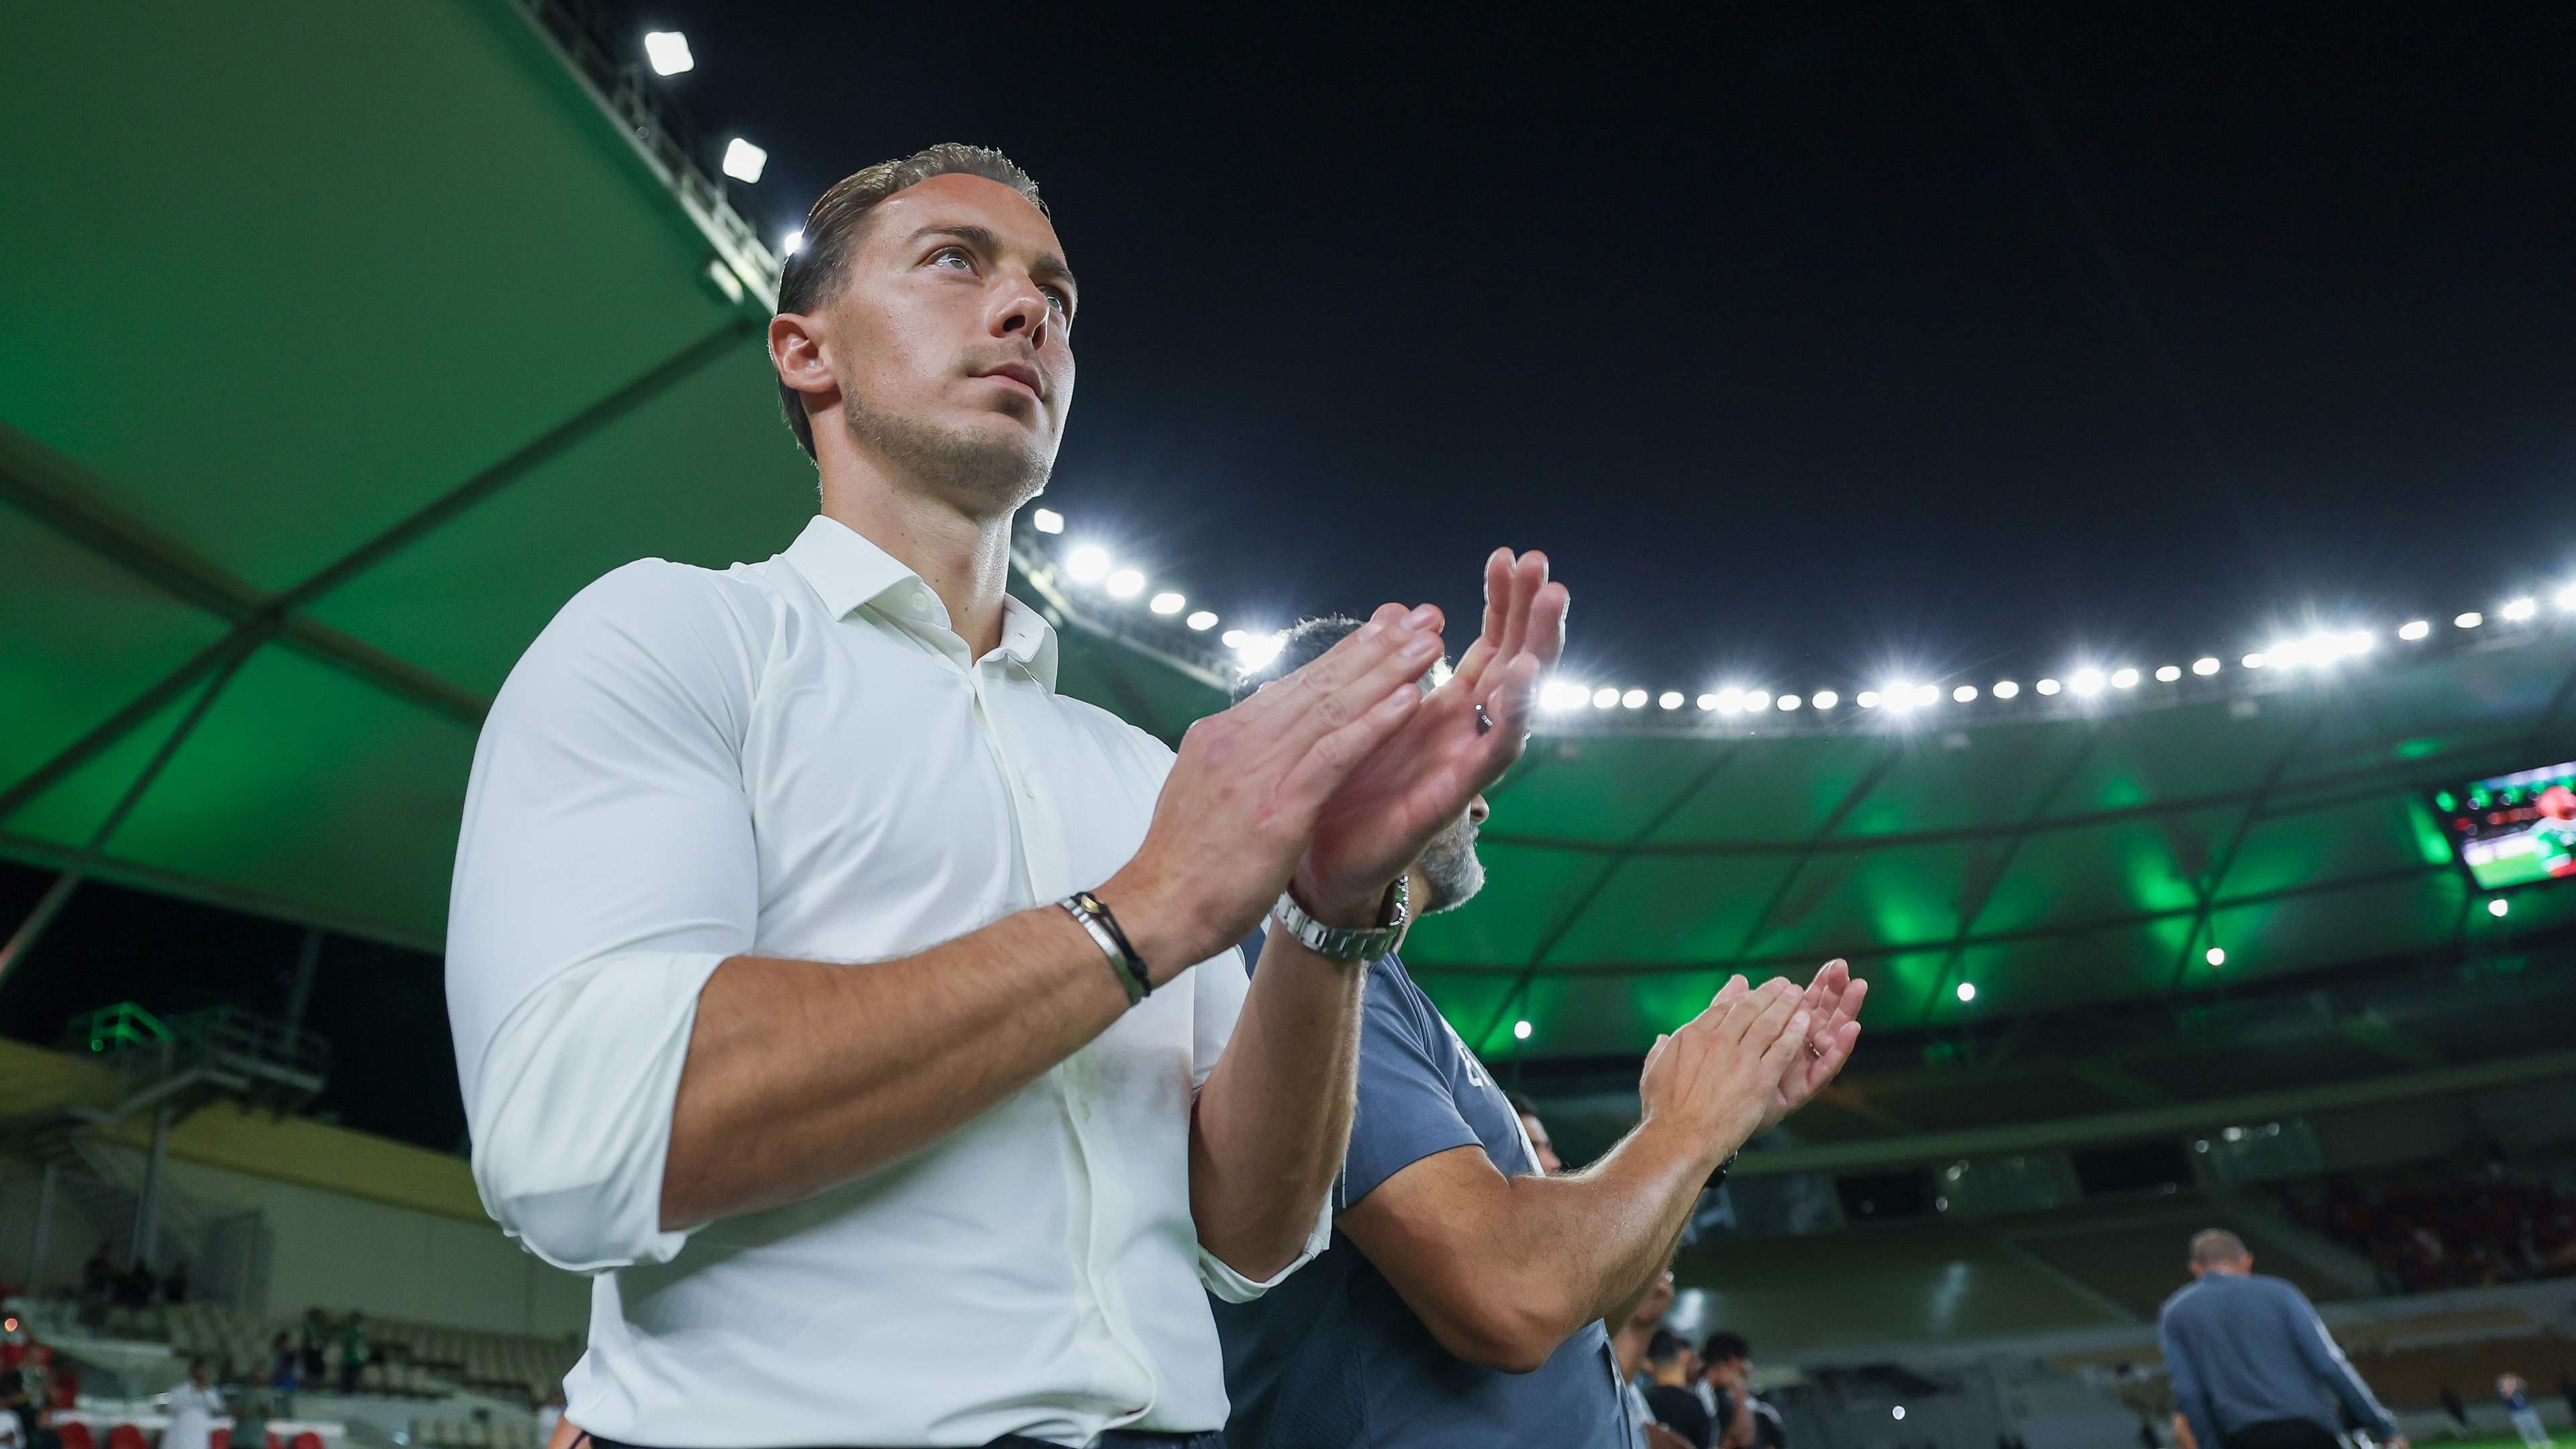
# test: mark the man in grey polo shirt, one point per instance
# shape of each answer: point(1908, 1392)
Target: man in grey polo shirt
point(2253, 1366)
point(1459, 1301)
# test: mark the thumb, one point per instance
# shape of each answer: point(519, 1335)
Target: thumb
point(1652, 1052)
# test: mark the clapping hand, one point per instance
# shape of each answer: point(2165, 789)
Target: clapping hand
point(1462, 739)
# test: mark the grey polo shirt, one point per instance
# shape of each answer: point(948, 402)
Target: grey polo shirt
point(2245, 1349)
point(1332, 1358)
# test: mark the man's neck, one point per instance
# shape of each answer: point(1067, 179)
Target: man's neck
point(965, 560)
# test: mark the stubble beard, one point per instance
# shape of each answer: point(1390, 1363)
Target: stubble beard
point(982, 477)
point(1450, 867)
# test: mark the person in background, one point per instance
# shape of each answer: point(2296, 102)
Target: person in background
point(174, 1289)
point(250, 1420)
point(315, 1337)
point(2252, 1365)
point(550, 1415)
point(2454, 1406)
point(1668, 1393)
point(1541, 1145)
point(353, 1350)
point(1726, 1387)
point(193, 1407)
point(2517, 1406)
point(14, 1413)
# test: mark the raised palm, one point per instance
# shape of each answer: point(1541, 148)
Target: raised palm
point(1833, 1008)
point(1421, 780)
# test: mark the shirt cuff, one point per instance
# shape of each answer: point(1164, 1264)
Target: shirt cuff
point(573, 1126)
point(1233, 1287)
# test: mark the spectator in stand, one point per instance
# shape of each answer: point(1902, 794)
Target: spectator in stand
point(1726, 1386)
point(316, 1341)
point(98, 1286)
point(14, 1415)
point(353, 1350)
point(550, 1414)
point(174, 1289)
point(2252, 1365)
point(134, 1286)
point(1540, 1144)
point(1668, 1390)
point(2517, 1407)
point(2457, 1409)
point(250, 1420)
point(193, 1407)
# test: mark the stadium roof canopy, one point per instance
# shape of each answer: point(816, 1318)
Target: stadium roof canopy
point(340, 345)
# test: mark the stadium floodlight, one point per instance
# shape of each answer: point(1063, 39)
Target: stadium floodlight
point(2414, 630)
point(2498, 907)
point(1047, 520)
point(1927, 694)
point(2520, 610)
point(2214, 956)
point(1867, 699)
point(2566, 597)
point(2204, 666)
point(2359, 641)
point(1964, 693)
point(1521, 1030)
point(1605, 697)
point(744, 161)
point(1898, 697)
point(2168, 673)
point(2124, 679)
point(1259, 650)
point(792, 243)
point(1669, 699)
point(2469, 620)
point(1559, 694)
point(1730, 699)
point(2006, 689)
point(1898, 1411)
point(1633, 699)
point(2255, 660)
point(1200, 620)
point(2087, 681)
point(667, 51)
point(1789, 702)
point(1088, 564)
point(1967, 992)
point(2050, 686)
point(1232, 638)
point(1706, 701)
point(1166, 602)
point(1757, 699)
point(1124, 583)
point(1824, 699)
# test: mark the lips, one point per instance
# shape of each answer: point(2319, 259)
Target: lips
point(1021, 373)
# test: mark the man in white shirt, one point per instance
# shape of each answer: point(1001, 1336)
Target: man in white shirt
point(703, 797)
point(193, 1407)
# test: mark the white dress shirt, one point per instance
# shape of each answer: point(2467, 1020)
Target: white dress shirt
point(192, 1416)
point(798, 758)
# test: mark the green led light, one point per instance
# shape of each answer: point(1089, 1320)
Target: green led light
point(2446, 800)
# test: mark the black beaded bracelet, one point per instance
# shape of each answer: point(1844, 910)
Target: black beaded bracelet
point(1140, 982)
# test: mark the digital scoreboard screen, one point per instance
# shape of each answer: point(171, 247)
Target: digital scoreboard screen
point(2515, 828)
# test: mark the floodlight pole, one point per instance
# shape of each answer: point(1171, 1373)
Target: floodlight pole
point(51, 905)
point(147, 1204)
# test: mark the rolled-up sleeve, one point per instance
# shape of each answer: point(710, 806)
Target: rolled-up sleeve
point(1220, 986)
point(605, 868)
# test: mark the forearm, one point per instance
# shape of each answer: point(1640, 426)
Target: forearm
point(803, 1074)
point(1595, 1241)
point(1274, 1118)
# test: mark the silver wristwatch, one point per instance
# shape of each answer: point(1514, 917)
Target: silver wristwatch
point(1345, 943)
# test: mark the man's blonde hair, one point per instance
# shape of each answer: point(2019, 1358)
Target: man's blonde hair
point(832, 228)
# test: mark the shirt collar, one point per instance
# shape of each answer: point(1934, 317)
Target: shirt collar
point(848, 572)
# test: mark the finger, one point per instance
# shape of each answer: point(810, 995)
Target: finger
point(1662, 1040)
point(1774, 1004)
point(1330, 760)
point(1542, 637)
point(1498, 586)
point(1291, 693)
point(1740, 1012)
point(1529, 574)
point(1345, 694)
point(1785, 1050)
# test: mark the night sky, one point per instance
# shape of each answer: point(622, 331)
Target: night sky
point(1816, 344)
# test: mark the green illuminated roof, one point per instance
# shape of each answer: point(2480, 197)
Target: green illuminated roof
point(354, 372)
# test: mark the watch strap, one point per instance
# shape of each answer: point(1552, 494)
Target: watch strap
point(1348, 943)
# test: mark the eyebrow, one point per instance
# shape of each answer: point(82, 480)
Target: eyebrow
point(1048, 267)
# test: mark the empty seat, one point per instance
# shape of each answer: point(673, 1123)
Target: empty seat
point(306, 1440)
point(126, 1436)
point(75, 1436)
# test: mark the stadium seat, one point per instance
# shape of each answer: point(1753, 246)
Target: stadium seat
point(126, 1436)
point(306, 1440)
point(220, 1438)
point(76, 1436)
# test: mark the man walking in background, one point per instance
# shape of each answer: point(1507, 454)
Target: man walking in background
point(1460, 1300)
point(2517, 1406)
point(2252, 1365)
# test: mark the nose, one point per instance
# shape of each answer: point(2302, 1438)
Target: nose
point(1021, 312)
point(1477, 810)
